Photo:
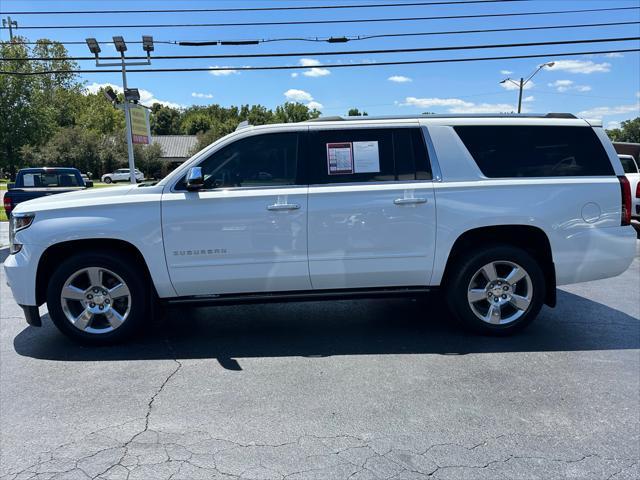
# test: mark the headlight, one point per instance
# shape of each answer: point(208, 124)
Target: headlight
point(17, 222)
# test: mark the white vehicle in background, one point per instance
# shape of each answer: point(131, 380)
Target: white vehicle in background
point(121, 175)
point(493, 212)
point(632, 172)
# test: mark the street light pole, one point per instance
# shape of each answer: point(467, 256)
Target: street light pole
point(521, 84)
point(520, 95)
point(127, 119)
point(121, 47)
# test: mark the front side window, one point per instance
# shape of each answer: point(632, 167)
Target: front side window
point(257, 161)
point(535, 151)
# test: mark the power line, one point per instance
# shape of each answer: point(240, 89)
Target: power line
point(192, 43)
point(335, 65)
point(324, 22)
point(337, 53)
point(262, 9)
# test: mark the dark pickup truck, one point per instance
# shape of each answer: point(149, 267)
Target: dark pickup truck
point(39, 182)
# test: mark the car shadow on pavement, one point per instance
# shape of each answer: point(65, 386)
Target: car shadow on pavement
point(321, 329)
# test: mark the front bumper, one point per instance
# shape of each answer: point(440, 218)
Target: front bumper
point(21, 270)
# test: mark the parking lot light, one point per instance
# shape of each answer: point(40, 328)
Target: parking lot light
point(94, 48)
point(119, 43)
point(147, 43)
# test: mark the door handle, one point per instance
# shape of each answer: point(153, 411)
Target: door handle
point(409, 201)
point(283, 206)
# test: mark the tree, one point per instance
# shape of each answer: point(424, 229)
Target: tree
point(198, 122)
point(164, 120)
point(294, 112)
point(354, 112)
point(629, 131)
point(33, 106)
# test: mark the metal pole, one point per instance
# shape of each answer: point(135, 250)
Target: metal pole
point(520, 96)
point(11, 24)
point(127, 119)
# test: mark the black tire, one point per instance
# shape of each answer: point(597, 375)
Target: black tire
point(128, 271)
point(464, 271)
point(108, 180)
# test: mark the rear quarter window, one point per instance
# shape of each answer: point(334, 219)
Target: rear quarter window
point(535, 151)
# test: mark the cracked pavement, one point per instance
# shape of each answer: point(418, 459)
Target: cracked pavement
point(379, 389)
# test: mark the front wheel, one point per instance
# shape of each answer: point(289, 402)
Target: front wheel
point(97, 298)
point(498, 290)
point(108, 180)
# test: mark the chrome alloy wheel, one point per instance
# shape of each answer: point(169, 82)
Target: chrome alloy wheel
point(95, 300)
point(500, 292)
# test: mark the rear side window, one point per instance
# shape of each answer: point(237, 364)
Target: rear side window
point(367, 155)
point(535, 151)
point(628, 165)
point(45, 180)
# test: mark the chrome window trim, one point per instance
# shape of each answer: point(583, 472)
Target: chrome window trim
point(357, 184)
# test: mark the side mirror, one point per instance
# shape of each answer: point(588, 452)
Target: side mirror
point(195, 180)
point(88, 183)
point(11, 186)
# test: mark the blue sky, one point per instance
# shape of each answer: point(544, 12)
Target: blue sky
point(605, 87)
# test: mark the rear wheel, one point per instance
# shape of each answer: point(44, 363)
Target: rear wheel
point(97, 298)
point(498, 290)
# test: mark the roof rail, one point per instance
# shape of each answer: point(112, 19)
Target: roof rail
point(440, 115)
point(243, 124)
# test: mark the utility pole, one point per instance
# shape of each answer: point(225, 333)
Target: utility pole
point(521, 84)
point(7, 22)
point(121, 47)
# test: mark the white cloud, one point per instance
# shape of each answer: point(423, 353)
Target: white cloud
point(485, 108)
point(456, 105)
point(599, 112)
point(314, 71)
point(565, 85)
point(515, 86)
point(530, 98)
point(147, 98)
point(614, 55)
point(580, 66)
point(222, 73)
point(612, 125)
point(295, 95)
point(294, 75)
point(201, 95)
point(399, 79)
point(298, 95)
point(506, 72)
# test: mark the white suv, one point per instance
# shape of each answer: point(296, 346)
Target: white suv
point(495, 211)
point(121, 175)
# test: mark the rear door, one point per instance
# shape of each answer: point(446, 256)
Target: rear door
point(371, 208)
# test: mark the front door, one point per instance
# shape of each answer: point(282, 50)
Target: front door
point(246, 230)
point(371, 208)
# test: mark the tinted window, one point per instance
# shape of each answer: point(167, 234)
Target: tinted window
point(44, 180)
point(629, 165)
point(257, 161)
point(535, 151)
point(367, 155)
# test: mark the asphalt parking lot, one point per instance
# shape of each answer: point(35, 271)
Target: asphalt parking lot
point(376, 389)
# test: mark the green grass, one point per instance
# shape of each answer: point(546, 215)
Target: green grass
point(3, 216)
point(104, 185)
